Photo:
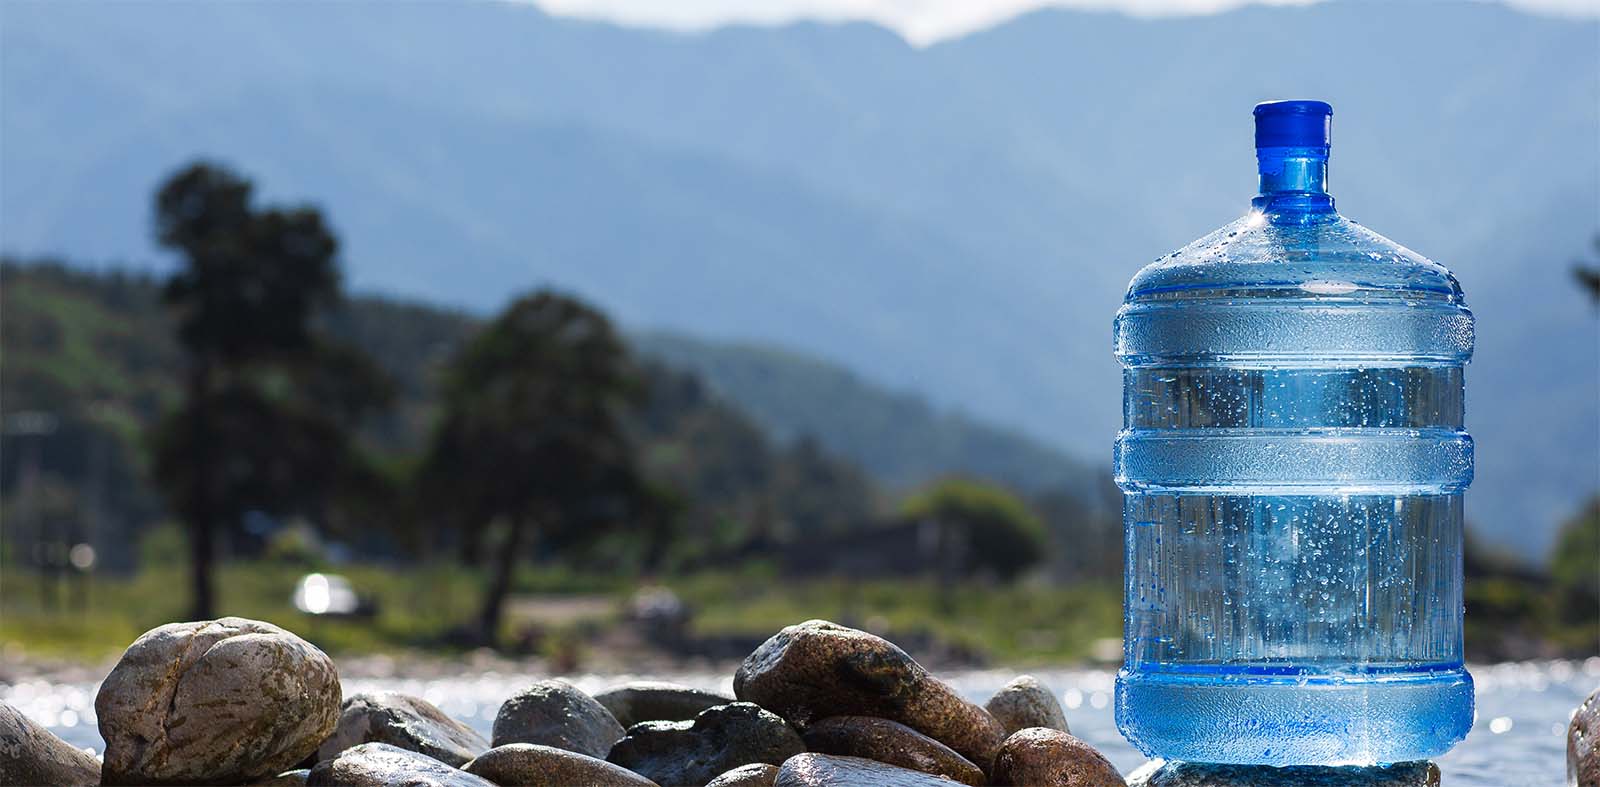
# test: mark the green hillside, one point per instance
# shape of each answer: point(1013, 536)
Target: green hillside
point(760, 442)
point(90, 363)
point(899, 437)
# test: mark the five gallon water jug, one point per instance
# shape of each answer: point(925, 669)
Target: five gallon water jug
point(1294, 458)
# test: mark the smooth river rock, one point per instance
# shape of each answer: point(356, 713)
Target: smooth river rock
point(31, 754)
point(1158, 773)
point(294, 778)
point(555, 713)
point(756, 774)
point(1583, 744)
point(382, 765)
point(831, 770)
point(818, 669)
point(1024, 703)
point(1039, 757)
point(890, 742)
point(639, 701)
point(215, 702)
point(720, 738)
point(404, 721)
point(529, 765)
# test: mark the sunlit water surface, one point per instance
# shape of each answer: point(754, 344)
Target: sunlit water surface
point(1518, 740)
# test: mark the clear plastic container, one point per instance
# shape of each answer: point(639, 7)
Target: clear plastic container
point(1293, 457)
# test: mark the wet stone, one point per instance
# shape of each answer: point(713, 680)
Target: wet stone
point(1039, 757)
point(1583, 752)
point(1158, 773)
point(529, 765)
point(215, 702)
point(555, 713)
point(407, 722)
point(31, 754)
point(639, 701)
point(720, 738)
point(1024, 703)
point(756, 774)
point(382, 765)
point(818, 669)
point(832, 770)
point(295, 778)
point(890, 742)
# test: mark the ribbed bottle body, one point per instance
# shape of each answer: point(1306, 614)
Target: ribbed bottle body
point(1293, 458)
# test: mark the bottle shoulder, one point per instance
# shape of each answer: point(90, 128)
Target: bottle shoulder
point(1327, 256)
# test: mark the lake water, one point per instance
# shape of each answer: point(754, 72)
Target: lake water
point(1519, 739)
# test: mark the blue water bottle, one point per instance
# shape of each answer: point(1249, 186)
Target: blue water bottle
point(1293, 457)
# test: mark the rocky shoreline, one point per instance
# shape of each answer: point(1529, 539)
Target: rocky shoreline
point(237, 701)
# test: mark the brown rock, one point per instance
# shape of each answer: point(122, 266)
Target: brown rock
point(1052, 758)
point(555, 713)
point(382, 765)
point(831, 770)
point(530, 765)
point(215, 702)
point(1024, 703)
point(890, 742)
point(401, 720)
point(819, 669)
point(639, 701)
point(1583, 748)
point(756, 774)
point(31, 754)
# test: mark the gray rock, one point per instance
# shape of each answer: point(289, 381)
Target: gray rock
point(756, 774)
point(639, 701)
point(382, 765)
point(1024, 703)
point(720, 738)
point(831, 770)
point(31, 754)
point(528, 765)
point(295, 778)
point(555, 713)
point(215, 702)
point(1158, 773)
point(819, 669)
point(1583, 748)
point(1037, 757)
point(890, 742)
point(404, 721)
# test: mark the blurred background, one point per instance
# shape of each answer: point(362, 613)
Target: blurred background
point(621, 333)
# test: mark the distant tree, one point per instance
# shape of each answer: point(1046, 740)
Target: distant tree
point(1575, 565)
point(995, 529)
point(532, 436)
point(267, 401)
point(1588, 273)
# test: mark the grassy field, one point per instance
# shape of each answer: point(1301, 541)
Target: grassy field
point(416, 606)
point(420, 607)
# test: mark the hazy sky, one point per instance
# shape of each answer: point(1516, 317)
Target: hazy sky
point(920, 21)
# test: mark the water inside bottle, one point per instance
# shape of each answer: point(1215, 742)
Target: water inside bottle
point(1294, 457)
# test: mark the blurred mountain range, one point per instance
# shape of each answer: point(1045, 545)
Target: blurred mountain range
point(957, 220)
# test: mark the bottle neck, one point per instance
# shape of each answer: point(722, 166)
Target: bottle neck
point(1294, 182)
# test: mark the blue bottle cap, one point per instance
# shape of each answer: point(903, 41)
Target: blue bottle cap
point(1294, 124)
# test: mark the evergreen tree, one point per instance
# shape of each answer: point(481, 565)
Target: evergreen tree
point(532, 437)
point(267, 402)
